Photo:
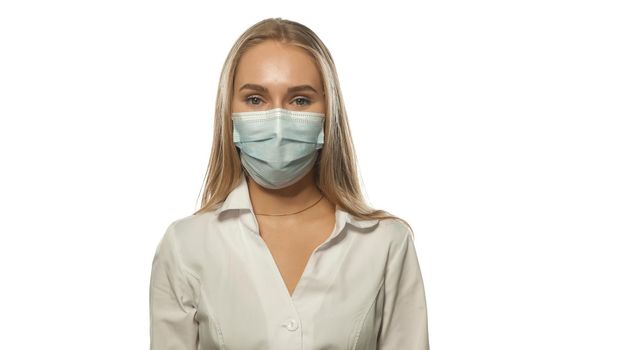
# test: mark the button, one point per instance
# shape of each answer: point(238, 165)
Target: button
point(291, 324)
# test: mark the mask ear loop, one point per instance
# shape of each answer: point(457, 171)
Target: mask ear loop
point(240, 160)
point(316, 166)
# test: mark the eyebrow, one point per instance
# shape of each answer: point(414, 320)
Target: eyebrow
point(260, 88)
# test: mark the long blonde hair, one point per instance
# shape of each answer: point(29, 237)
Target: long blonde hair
point(335, 170)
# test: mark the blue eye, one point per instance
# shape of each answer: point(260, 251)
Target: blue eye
point(302, 99)
point(253, 98)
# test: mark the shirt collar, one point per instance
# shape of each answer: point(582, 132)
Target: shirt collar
point(239, 198)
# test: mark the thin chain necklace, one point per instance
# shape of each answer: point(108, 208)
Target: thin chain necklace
point(300, 211)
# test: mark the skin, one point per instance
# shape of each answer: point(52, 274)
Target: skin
point(292, 238)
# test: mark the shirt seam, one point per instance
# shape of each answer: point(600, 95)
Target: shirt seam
point(393, 260)
point(197, 298)
point(369, 307)
point(187, 272)
point(211, 318)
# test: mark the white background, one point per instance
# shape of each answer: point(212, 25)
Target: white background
point(493, 127)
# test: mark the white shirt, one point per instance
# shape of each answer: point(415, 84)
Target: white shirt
point(214, 285)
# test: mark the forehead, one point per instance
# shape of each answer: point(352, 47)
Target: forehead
point(271, 63)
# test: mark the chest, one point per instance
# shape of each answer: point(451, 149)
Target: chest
point(292, 243)
point(335, 298)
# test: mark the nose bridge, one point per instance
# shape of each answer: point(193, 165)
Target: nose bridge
point(277, 101)
point(278, 95)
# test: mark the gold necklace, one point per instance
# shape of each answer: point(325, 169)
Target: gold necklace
point(316, 202)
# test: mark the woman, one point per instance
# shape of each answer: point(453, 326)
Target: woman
point(284, 252)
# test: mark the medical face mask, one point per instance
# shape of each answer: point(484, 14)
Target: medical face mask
point(278, 146)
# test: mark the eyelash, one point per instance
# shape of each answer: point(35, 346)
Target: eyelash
point(307, 101)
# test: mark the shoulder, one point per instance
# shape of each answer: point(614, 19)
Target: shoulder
point(190, 228)
point(397, 231)
point(183, 242)
point(401, 252)
point(388, 236)
point(187, 234)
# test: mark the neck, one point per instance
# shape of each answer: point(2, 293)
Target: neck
point(284, 200)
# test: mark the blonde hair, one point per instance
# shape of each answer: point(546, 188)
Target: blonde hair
point(335, 170)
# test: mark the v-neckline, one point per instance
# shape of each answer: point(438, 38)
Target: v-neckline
point(301, 283)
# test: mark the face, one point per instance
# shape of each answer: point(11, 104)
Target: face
point(275, 75)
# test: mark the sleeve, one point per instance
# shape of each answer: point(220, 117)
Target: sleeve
point(404, 323)
point(172, 302)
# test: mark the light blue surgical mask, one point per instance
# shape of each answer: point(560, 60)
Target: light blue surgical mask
point(278, 146)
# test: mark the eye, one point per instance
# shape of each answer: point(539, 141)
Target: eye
point(253, 99)
point(303, 99)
